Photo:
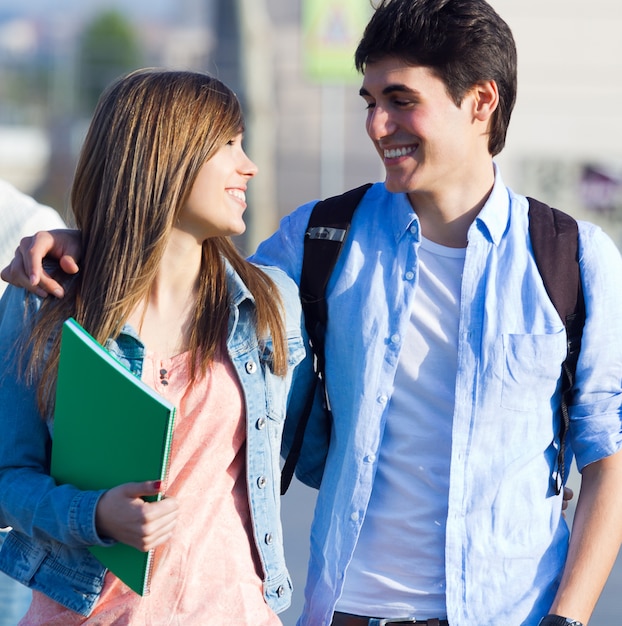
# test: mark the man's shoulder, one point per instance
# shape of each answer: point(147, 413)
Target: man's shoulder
point(596, 247)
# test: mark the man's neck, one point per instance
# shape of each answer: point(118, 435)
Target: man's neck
point(447, 216)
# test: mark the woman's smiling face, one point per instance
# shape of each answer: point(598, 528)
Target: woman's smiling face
point(217, 200)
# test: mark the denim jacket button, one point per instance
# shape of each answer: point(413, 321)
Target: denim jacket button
point(251, 367)
point(280, 591)
point(262, 481)
point(261, 423)
point(268, 538)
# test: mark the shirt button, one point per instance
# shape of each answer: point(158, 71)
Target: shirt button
point(262, 481)
point(268, 538)
point(355, 516)
point(370, 458)
point(382, 398)
point(409, 275)
point(251, 367)
point(413, 230)
point(395, 339)
point(261, 423)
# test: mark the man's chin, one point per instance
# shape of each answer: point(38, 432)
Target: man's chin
point(397, 186)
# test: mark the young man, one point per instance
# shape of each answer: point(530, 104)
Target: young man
point(443, 359)
point(437, 499)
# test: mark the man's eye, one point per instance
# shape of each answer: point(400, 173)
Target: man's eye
point(404, 103)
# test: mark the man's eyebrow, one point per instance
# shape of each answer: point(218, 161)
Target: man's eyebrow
point(393, 88)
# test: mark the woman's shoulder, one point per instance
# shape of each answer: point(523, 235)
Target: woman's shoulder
point(287, 288)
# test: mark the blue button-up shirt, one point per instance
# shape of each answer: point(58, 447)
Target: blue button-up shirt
point(506, 540)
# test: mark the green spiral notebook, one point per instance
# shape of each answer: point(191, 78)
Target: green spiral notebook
point(109, 428)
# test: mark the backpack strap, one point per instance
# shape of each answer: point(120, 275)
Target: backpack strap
point(555, 241)
point(327, 229)
point(554, 238)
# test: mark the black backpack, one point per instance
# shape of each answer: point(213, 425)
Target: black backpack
point(554, 238)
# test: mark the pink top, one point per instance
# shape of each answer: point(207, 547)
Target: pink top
point(209, 572)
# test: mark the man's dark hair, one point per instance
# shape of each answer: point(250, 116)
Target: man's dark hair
point(463, 42)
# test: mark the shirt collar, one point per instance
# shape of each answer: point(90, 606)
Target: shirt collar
point(404, 217)
point(238, 291)
point(492, 220)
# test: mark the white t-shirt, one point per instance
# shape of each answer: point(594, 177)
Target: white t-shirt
point(398, 566)
point(21, 215)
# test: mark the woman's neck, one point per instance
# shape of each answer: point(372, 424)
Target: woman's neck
point(164, 319)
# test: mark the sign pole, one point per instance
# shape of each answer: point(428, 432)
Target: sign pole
point(331, 31)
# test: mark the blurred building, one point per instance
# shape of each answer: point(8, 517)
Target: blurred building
point(566, 122)
point(307, 137)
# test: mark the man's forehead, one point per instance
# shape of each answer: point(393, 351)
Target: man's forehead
point(394, 75)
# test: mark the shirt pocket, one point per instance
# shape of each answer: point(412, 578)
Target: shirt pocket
point(277, 387)
point(531, 369)
point(296, 349)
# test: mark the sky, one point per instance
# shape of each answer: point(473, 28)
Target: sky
point(35, 8)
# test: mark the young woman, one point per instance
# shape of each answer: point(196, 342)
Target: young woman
point(159, 188)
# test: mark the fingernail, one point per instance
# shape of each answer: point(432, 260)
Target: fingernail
point(58, 293)
point(157, 485)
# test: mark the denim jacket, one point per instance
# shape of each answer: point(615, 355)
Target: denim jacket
point(52, 525)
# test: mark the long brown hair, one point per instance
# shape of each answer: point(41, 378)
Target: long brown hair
point(150, 133)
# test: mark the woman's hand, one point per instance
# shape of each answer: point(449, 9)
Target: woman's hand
point(124, 516)
point(26, 268)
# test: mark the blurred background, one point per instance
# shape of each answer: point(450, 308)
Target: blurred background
point(290, 62)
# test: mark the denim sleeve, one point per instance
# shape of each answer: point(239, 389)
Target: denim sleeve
point(30, 500)
point(310, 465)
point(596, 413)
point(312, 459)
point(284, 250)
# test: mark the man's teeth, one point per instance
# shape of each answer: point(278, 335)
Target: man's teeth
point(398, 152)
point(237, 193)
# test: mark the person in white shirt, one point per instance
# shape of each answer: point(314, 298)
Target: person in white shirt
point(21, 215)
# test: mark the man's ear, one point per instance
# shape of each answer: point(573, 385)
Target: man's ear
point(485, 99)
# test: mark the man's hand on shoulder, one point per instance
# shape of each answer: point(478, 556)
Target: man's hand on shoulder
point(26, 269)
